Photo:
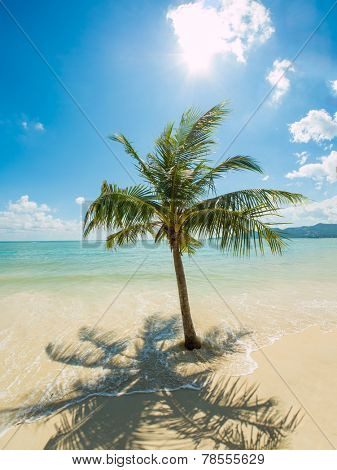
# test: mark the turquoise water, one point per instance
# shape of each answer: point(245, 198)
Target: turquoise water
point(49, 290)
point(56, 265)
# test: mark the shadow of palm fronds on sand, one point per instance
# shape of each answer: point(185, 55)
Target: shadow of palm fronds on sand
point(105, 413)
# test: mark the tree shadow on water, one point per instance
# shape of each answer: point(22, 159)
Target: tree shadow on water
point(104, 413)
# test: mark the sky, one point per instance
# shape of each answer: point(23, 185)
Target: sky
point(71, 75)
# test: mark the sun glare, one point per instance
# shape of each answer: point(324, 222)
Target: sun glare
point(199, 37)
point(205, 31)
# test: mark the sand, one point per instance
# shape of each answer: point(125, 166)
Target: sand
point(299, 369)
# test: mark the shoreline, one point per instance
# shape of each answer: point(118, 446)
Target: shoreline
point(298, 369)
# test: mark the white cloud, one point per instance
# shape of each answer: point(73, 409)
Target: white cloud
point(277, 77)
point(26, 219)
point(302, 157)
point(265, 178)
point(38, 126)
point(25, 205)
point(326, 170)
point(312, 213)
point(333, 84)
point(205, 29)
point(80, 200)
point(328, 147)
point(35, 125)
point(317, 125)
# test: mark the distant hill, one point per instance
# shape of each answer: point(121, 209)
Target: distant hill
point(314, 231)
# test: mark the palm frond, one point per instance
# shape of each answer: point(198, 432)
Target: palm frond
point(236, 231)
point(130, 234)
point(189, 244)
point(121, 207)
point(128, 147)
point(236, 163)
point(250, 198)
point(142, 166)
point(194, 136)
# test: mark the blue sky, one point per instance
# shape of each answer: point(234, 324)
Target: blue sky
point(132, 66)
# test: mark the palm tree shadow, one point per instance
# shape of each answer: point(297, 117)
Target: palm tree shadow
point(104, 413)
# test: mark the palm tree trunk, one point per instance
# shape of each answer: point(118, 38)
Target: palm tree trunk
point(191, 339)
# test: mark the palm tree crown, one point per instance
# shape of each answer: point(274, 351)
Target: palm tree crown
point(174, 201)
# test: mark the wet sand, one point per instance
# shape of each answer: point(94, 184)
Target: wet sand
point(299, 370)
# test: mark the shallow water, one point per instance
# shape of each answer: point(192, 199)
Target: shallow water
point(50, 290)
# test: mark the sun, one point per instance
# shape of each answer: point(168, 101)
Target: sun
point(198, 60)
point(199, 37)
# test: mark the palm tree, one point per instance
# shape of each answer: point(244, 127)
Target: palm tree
point(174, 202)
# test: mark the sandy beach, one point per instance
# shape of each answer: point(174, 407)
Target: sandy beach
point(299, 370)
